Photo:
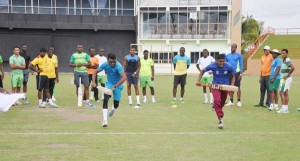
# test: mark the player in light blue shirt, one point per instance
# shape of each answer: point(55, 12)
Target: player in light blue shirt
point(115, 79)
point(274, 79)
point(235, 59)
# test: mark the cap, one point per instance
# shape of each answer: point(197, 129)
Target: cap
point(267, 48)
point(275, 51)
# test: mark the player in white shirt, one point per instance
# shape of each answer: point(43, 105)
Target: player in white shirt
point(207, 78)
point(101, 78)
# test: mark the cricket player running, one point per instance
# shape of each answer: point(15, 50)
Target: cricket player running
point(115, 79)
point(221, 73)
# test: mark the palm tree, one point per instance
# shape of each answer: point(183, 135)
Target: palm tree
point(251, 29)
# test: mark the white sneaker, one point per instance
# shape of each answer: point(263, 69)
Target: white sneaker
point(144, 101)
point(137, 106)
point(42, 105)
point(239, 104)
point(271, 108)
point(283, 111)
point(229, 103)
point(205, 102)
point(221, 124)
point(53, 98)
point(211, 101)
point(18, 103)
point(153, 101)
point(276, 108)
point(53, 105)
point(104, 124)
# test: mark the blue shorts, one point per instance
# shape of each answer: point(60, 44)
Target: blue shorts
point(132, 80)
point(117, 93)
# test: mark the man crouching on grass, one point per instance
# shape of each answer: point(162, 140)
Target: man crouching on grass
point(221, 74)
point(115, 79)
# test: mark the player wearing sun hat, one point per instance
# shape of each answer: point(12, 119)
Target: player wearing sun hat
point(274, 79)
point(264, 78)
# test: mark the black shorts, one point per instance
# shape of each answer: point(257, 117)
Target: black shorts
point(237, 82)
point(1, 83)
point(42, 82)
point(180, 79)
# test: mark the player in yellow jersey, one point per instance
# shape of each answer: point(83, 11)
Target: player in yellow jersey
point(41, 66)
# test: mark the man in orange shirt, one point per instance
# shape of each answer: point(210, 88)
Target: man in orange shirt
point(266, 61)
point(90, 69)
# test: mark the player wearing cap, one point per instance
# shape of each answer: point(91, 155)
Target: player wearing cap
point(287, 68)
point(222, 72)
point(147, 76)
point(274, 79)
point(264, 78)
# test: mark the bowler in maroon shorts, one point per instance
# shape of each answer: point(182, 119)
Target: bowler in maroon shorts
point(222, 71)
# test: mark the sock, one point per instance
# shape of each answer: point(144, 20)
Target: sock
point(152, 97)
point(271, 105)
point(40, 101)
point(205, 97)
point(239, 100)
point(130, 99)
point(231, 100)
point(92, 94)
point(145, 98)
point(174, 98)
point(113, 108)
point(276, 105)
point(286, 107)
point(138, 99)
point(181, 99)
point(211, 96)
point(50, 101)
point(104, 114)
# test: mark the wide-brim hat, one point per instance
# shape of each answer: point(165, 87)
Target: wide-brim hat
point(275, 51)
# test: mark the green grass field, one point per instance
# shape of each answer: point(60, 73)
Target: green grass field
point(291, 42)
point(153, 132)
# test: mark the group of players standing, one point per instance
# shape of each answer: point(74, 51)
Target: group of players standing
point(93, 67)
point(45, 65)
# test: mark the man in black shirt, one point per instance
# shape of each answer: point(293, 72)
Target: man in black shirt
point(26, 71)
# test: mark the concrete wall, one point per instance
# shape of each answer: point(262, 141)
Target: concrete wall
point(236, 23)
point(64, 42)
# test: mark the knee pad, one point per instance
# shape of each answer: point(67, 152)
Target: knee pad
point(116, 104)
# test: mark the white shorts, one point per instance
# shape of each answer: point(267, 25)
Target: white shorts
point(285, 85)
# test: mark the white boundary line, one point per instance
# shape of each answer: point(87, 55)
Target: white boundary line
point(150, 133)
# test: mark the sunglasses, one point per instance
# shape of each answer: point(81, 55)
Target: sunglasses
point(112, 62)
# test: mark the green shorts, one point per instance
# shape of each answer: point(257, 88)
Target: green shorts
point(16, 80)
point(146, 81)
point(206, 80)
point(275, 85)
point(101, 79)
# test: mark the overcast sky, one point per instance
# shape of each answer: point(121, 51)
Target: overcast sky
point(275, 13)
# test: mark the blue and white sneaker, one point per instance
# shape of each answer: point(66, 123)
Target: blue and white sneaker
point(89, 104)
point(26, 102)
point(111, 113)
